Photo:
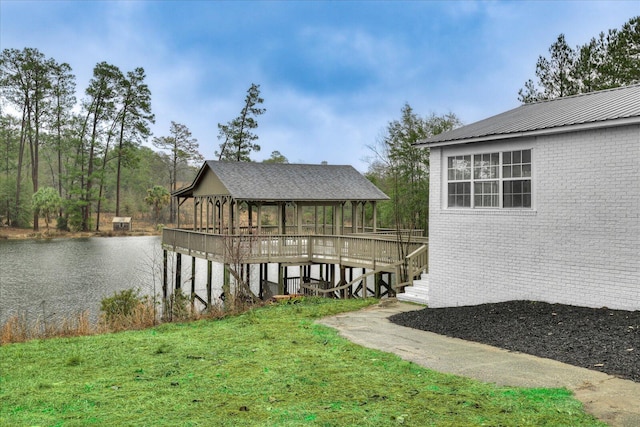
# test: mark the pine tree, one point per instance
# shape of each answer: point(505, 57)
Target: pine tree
point(237, 136)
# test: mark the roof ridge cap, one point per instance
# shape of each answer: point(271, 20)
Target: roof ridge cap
point(583, 94)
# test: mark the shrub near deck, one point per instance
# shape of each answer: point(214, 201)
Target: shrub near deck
point(270, 366)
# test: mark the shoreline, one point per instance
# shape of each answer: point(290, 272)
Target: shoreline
point(10, 233)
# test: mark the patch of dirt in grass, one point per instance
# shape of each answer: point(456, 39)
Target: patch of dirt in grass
point(601, 339)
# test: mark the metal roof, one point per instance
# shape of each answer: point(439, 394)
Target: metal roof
point(606, 108)
point(289, 182)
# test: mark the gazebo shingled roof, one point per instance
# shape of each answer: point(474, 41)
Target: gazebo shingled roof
point(289, 182)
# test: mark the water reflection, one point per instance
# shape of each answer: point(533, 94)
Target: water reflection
point(50, 279)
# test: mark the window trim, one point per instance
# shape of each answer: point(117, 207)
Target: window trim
point(500, 179)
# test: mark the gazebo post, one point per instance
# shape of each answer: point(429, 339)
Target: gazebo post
point(299, 217)
point(259, 218)
point(230, 208)
point(195, 212)
point(354, 217)
point(375, 216)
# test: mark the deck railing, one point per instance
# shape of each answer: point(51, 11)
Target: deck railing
point(375, 251)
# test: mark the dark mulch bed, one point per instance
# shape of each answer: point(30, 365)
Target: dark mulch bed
point(600, 339)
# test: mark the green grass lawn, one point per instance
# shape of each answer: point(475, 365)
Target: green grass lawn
point(271, 366)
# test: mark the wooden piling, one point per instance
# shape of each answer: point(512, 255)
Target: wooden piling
point(178, 270)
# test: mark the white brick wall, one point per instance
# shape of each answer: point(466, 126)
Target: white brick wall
point(580, 244)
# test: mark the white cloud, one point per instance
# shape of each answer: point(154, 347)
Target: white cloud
point(469, 58)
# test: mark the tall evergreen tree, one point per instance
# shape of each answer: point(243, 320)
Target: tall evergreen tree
point(610, 60)
point(25, 81)
point(623, 62)
point(555, 75)
point(63, 101)
point(182, 147)
point(9, 143)
point(237, 136)
point(133, 121)
point(100, 107)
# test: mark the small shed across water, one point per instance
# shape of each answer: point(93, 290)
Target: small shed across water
point(121, 223)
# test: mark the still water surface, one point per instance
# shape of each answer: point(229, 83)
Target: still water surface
point(51, 279)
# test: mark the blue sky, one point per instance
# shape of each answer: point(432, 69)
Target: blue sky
point(332, 74)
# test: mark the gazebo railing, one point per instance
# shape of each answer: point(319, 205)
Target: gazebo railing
point(367, 250)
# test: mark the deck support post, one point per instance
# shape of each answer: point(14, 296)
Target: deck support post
point(281, 279)
point(364, 284)
point(209, 274)
point(392, 292)
point(260, 280)
point(178, 270)
point(378, 281)
point(226, 287)
point(193, 281)
point(164, 276)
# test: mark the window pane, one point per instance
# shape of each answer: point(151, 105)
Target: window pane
point(506, 158)
point(526, 170)
point(486, 166)
point(466, 173)
point(486, 194)
point(517, 194)
point(516, 171)
point(459, 167)
point(459, 194)
point(506, 171)
point(516, 156)
point(526, 156)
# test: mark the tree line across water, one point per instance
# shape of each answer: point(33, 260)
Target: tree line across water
point(73, 160)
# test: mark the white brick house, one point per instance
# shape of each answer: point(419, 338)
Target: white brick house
point(541, 202)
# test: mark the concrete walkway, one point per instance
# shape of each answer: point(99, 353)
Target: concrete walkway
point(610, 399)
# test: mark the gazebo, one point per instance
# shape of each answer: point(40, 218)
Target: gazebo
point(320, 219)
point(267, 198)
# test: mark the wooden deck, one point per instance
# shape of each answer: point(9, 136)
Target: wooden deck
point(378, 252)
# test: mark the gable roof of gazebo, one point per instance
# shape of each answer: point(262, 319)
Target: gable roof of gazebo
point(288, 182)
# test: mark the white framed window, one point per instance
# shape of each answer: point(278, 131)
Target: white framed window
point(490, 180)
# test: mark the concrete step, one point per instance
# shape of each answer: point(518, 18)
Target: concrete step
point(418, 299)
point(418, 293)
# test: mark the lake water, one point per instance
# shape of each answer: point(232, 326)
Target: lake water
point(52, 279)
point(55, 278)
